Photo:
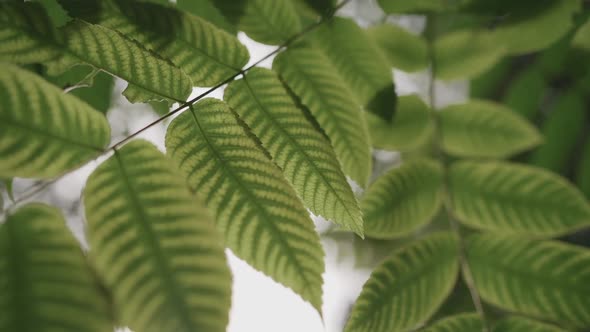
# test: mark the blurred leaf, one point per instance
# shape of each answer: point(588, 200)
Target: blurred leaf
point(583, 169)
point(100, 94)
point(403, 200)
point(56, 13)
point(582, 37)
point(525, 93)
point(416, 6)
point(403, 49)
point(485, 129)
point(543, 279)
point(468, 322)
point(521, 324)
point(488, 83)
point(465, 54)
point(510, 198)
point(207, 10)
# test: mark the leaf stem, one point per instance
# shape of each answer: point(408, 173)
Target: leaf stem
point(444, 160)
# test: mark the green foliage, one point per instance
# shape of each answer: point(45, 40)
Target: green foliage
point(525, 94)
point(255, 208)
point(547, 280)
point(311, 76)
point(403, 49)
point(207, 10)
point(403, 200)
point(154, 245)
point(520, 324)
point(408, 287)
point(45, 281)
point(516, 199)
point(304, 154)
point(583, 170)
point(458, 323)
point(47, 137)
point(485, 129)
point(401, 6)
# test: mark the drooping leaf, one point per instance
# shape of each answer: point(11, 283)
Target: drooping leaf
point(516, 199)
point(304, 154)
point(45, 281)
point(410, 129)
point(44, 132)
point(548, 280)
point(486, 129)
point(207, 10)
point(521, 324)
point(309, 74)
point(407, 288)
point(403, 49)
point(154, 245)
point(470, 322)
point(360, 64)
point(563, 128)
point(403, 200)
point(263, 220)
point(207, 54)
point(465, 54)
point(268, 22)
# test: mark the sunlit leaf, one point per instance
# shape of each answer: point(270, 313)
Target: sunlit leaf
point(403, 49)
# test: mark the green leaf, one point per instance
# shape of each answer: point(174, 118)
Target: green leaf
point(583, 170)
point(521, 324)
point(531, 29)
point(45, 281)
point(403, 200)
point(465, 54)
point(485, 129)
point(56, 13)
point(360, 63)
point(304, 154)
point(415, 6)
point(154, 245)
point(516, 199)
point(548, 280)
point(43, 132)
point(207, 54)
point(23, 42)
point(99, 95)
point(311, 77)
point(263, 220)
point(268, 22)
point(410, 129)
point(407, 288)
point(526, 93)
point(322, 7)
point(207, 10)
point(469, 322)
point(403, 49)
point(563, 129)
point(582, 37)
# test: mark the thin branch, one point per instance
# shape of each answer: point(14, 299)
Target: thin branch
point(448, 199)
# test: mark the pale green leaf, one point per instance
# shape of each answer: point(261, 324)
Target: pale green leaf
point(521, 324)
point(465, 54)
point(269, 22)
point(410, 129)
point(155, 246)
point(304, 154)
point(311, 77)
point(403, 200)
point(485, 129)
point(263, 220)
point(459, 323)
point(403, 49)
point(516, 199)
point(360, 64)
point(45, 281)
point(44, 132)
point(207, 10)
point(408, 287)
point(582, 37)
point(206, 53)
point(548, 280)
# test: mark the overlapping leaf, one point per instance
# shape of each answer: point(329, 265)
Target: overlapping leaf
point(359, 63)
point(207, 54)
point(410, 129)
point(263, 220)
point(311, 77)
point(521, 324)
point(303, 153)
point(547, 279)
point(268, 22)
point(416, 6)
point(459, 323)
point(511, 198)
point(403, 49)
point(485, 129)
point(403, 199)
point(407, 288)
point(155, 246)
point(43, 132)
point(207, 10)
point(45, 281)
